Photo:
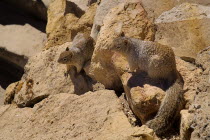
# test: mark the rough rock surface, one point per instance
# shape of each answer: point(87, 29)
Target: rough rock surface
point(65, 20)
point(156, 8)
point(200, 107)
point(104, 7)
point(185, 28)
point(67, 116)
point(45, 76)
point(129, 18)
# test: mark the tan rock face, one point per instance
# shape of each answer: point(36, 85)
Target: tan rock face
point(65, 20)
point(129, 18)
point(156, 8)
point(44, 76)
point(73, 117)
point(185, 28)
point(186, 121)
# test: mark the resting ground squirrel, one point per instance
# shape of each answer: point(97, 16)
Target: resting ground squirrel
point(79, 53)
point(159, 62)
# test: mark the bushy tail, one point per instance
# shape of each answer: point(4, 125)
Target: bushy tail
point(169, 108)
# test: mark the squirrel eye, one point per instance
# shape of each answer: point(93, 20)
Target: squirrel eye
point(64, 59)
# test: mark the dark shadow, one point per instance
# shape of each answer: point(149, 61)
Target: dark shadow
point(11, 67)
point(82, 82)
point(74, 9)
point(10, 15)
point(141, 78)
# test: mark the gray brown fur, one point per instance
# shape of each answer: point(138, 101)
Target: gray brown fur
point(159, 62)
point(79, 53)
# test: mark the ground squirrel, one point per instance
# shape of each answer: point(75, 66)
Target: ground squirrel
point(79, 53)
point(159, 62)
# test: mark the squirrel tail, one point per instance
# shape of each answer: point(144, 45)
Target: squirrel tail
point(170, 107)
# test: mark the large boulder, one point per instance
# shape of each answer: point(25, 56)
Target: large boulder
point(130, 18)
point(200, 108)
point(65, 20)
point(104, 7)
point(68, 116)
point(156, 8)
point(185, 28)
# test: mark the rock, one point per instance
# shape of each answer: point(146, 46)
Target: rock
point(61, 116)
point(104, 7)
point(185, 126)
point(156, 8)
point(200, 106)
point(34, 7)
point(11, 90)
point(185, 28)
point(129, 18)
point(65, 20)
point(143, 133)
point(44, 76)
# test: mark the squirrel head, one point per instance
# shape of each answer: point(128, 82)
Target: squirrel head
point(120, 44)
point(65, 57)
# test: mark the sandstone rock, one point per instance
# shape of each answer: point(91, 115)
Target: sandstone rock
point(28, 44)
point(67, 116)
point(65, 21)
point(102, 10)
point(11, 90)
point(44, 76)
point(143, 133)
point(129, 18)
point(156, 8)
point(185, 28)
point(200, 107)
point(185, 126)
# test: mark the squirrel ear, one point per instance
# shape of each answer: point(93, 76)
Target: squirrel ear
point(122, 34)
point(126, 42)
point(67, 48)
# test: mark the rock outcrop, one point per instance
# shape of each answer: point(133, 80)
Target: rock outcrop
point(67, 116)
point(65, 20)
point(185, 28)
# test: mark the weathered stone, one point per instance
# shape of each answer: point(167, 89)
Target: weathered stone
point(11, 90)
point(28, 44)
point(200, 106)
point(156, 8)
point(185, 126)
point(129, 18)
point(65, 21)
point(67, 116)
point(185, 28)
point(104, 7)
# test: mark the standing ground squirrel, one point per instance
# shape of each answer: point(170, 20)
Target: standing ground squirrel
point(79, 53)
point(159, 62)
